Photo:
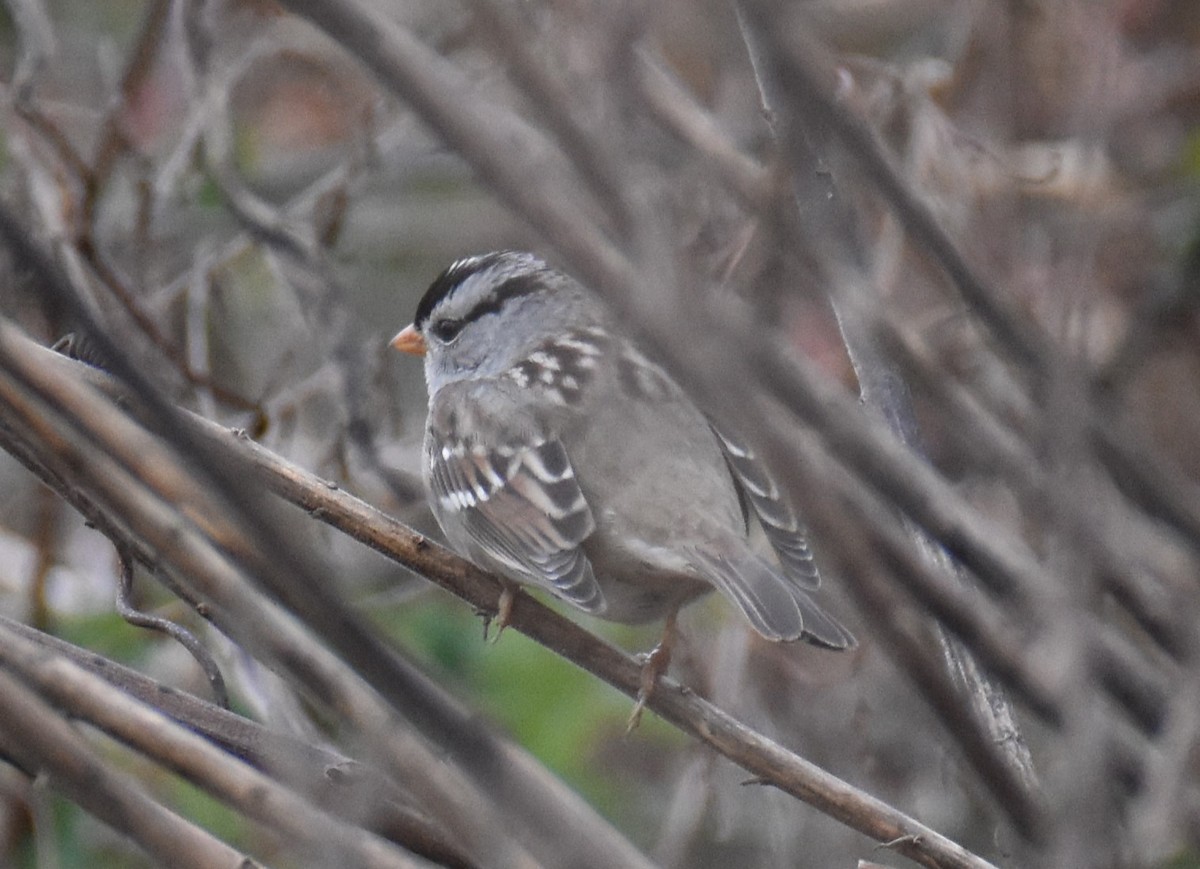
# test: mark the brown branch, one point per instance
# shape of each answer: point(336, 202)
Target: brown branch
point(755, 753)
point(37, 737)
point(591, 154)
point(511, 157)
point(82, 695)
point(338, 784)
point(172, 543)
point(805, 74)
point(832, 229)
point(679, 113)
point(695, 716)
point(112, 142)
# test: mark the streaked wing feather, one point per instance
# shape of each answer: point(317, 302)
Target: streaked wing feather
point(524, 508)
point(779, 522)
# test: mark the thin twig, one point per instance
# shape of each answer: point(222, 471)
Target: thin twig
point(180, 634)
point(592, 154)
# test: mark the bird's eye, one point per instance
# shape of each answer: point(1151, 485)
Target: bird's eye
point(446, 330)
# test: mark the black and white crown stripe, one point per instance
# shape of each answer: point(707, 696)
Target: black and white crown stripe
point(523, 506)
point(518, 276)
point(783, 529)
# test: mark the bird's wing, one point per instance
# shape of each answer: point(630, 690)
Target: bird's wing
point(783, 529)
point(519, 501)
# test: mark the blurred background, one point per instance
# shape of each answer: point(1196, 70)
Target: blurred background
point(154, 147)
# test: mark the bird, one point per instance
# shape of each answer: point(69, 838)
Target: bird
point(561, 457)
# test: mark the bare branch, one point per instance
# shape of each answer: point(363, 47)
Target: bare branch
point(757, 754)
point(42, 743)
point(338, 784)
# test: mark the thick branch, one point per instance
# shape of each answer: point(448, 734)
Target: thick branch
point(754, 752)
point(253, 794)
point(338, 784)
point(43, 743)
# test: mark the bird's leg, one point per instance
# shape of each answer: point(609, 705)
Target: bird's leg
point(504, 607)
point(655, 665)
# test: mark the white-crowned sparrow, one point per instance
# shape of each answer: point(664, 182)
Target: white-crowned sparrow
point(559, 456)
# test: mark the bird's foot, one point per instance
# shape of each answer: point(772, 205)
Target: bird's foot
point(504, 607)
point(654, 665)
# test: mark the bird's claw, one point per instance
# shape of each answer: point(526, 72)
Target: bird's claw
point(503, 616)
point(654, 664)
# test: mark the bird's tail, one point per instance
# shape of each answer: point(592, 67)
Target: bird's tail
point(776, 607)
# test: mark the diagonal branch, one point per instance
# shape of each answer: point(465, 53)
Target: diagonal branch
point(356, 672)
point(834, 233)
point(338, 784)
point(762, 757)
point(89, 698)
point(38, 739)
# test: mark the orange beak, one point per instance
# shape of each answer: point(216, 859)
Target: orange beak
point(409, 341)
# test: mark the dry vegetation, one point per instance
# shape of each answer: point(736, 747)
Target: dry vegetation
point(937, 259)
